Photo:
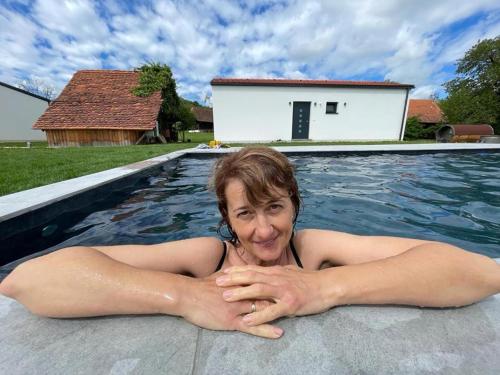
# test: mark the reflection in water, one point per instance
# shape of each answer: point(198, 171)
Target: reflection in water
point(448, 197)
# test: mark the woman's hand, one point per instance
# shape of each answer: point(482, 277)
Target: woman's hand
point(204, 306)
point(294, 291)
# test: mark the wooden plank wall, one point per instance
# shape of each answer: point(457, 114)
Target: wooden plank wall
point(118, 137)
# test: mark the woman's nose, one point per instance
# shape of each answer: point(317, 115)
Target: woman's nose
point(263, 226)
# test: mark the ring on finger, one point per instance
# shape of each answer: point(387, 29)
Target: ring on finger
point(254, 307)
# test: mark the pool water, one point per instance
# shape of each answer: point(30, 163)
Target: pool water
point(448, 197)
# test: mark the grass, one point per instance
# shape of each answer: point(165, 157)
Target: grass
point(34, 144)
point(23, 168)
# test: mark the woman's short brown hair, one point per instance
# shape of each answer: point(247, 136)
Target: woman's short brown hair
point(261, 170)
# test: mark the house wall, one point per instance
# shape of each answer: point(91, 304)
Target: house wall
point(264, 113)
point(18, 113)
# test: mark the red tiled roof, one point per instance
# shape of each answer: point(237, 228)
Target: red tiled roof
point(101, 99)
point(303, 82)
point(426, 110)
point(203, 114)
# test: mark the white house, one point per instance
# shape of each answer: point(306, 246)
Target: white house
point(19, 109)
point(256, 110)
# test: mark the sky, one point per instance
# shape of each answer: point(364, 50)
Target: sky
point(407, 41)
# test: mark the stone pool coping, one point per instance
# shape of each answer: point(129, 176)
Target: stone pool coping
point(22, 202)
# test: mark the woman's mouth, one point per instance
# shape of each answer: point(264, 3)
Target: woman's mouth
point(267, 243)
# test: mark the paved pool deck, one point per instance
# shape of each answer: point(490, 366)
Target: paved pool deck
point(344, 340)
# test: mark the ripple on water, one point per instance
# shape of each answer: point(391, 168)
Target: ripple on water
point(482, 211)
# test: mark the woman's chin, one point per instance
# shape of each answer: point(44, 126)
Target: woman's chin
point(268, 251)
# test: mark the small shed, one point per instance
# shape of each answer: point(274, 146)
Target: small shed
point(426, 110)
point(463, 132)
point(263, 110)
point(97, 108)
point(19, 110)
point(204, 119)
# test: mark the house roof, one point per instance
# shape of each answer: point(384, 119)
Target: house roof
point(24, 91)
point(203, 114)
point(426, 110)
point(101, 99)
point(305, 83)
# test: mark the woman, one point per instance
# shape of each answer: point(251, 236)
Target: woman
point(263, 272)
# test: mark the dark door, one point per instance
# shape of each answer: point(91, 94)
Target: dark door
point(300, 121)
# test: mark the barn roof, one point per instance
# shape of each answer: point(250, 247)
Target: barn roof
point(101, 99)
point(426, 110)
point(203, 114)
point(305, 83)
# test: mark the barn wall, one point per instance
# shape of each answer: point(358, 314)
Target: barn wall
point(118, 137)
point(264, 113)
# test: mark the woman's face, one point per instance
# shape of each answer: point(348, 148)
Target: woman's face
point(264, 230)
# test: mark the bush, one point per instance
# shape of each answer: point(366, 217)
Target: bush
point(415, 130)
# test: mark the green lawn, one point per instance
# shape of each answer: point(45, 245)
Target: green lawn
point(23, 168)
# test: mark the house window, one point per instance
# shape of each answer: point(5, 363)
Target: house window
point(331, 107)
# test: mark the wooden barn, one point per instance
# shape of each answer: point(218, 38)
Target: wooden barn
point(97, 108)
point(204, 119)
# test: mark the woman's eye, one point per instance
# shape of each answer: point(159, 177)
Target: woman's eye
point(275, 207)
point(243, 214)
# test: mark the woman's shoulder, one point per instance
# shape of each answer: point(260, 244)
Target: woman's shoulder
point(312, 235)
point(200, 256)
point(314, 245)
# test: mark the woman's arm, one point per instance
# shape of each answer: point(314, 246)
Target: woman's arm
point(429, 274)
point(81, 281)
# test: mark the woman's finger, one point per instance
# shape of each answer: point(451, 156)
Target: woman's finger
point(245, 307)
point(251, 267)
point(263, 330)
point(270, 313)
point(242, 278)
point(251, 292)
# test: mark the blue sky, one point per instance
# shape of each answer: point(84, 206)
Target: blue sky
point(407, 41)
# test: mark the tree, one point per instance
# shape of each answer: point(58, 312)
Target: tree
point(158, 77)
point(176, 110)
point(474, 95)
point(415, 130)
point(38, 87)
point(186, 119)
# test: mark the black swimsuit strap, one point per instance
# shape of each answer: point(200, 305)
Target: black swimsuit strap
point(294, 252)
point(221, 262)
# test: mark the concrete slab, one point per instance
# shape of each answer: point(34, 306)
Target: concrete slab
point(150, 344)
point(365, 340)
point(418, 147)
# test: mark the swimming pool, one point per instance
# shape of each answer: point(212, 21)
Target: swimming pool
point(451, 197)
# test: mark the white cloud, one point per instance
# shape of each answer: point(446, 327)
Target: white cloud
point(406, 41)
